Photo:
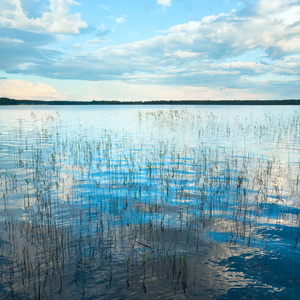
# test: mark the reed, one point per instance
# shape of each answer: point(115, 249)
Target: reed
point(77, 210)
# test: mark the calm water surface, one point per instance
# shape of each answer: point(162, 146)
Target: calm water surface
point(150, 201)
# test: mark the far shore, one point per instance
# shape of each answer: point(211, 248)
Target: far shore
point(8, 101)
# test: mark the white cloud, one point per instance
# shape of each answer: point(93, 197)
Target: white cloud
point(98, 40)
point(56, 19)
point(26, 65)
point(164, 2)
point(205, 54)
point(250, 66)
point(186, 54)
point(272, 6)
point(120, 20)
point(193, 52)
point(23, 89)
point(275, 30)
point(214, 38)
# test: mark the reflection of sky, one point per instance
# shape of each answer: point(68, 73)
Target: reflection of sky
point(191, 158)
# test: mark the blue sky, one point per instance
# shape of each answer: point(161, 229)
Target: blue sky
point(149, 49)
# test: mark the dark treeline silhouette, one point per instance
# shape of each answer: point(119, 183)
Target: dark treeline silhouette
point(8, 101)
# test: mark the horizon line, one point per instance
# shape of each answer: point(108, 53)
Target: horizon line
point(9, 101)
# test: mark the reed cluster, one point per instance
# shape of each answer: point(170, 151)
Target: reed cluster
point(84, 211)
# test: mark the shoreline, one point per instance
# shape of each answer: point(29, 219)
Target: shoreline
point(11, 102)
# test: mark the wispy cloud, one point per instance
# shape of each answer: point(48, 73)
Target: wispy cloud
point(104, 7)
point(97, 41)
point(9, 40)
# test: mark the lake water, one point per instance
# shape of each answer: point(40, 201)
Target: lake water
point(150, 202)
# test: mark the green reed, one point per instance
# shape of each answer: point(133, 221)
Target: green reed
point(76, 207)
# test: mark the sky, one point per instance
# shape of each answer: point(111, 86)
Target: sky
point(149, 49)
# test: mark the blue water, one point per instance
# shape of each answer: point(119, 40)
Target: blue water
point(217, 186)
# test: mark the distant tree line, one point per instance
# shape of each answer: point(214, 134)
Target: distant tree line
point(8, 101)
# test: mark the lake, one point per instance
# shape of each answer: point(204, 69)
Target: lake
point(138, 202)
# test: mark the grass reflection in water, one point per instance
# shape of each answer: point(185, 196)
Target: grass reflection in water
point(207, 208)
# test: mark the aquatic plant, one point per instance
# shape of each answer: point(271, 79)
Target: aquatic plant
point(85, 212)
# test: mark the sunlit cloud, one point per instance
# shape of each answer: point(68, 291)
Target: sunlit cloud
point(23, 89)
